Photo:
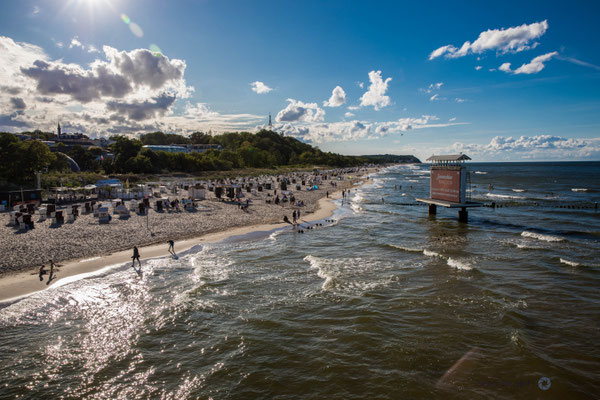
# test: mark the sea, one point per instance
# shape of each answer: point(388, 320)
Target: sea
point(380, 301)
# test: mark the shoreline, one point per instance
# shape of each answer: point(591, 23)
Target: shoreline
point(16, 286)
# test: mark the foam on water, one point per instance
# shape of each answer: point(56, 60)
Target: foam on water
point(568, 262)
point(503, 196)
point(458, 264)
point(409, 249)
point(539, 236)
point(430, 253)
point(579, 190)
point(318, 264)
point(518, 190)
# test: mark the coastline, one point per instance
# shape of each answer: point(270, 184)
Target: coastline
point(24, 283)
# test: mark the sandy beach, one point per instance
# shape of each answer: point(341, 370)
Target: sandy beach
point(84, 246)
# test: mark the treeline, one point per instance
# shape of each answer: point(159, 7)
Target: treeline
point(264, 149)
point(20, 160)
point(391, 159)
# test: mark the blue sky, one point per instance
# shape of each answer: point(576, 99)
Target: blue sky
point(507, 81)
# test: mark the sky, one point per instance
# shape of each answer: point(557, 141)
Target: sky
point(498, 81)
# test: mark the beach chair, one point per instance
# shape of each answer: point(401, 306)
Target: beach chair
point(21, 223)
point(69, 215)
point(42, 214)
point(122, 211)
point(103, 216)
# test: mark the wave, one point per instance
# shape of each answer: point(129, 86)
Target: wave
point(528, 247)
point(568, 262)
point(458, 264)
point(273, 236)
point(316, 263)
point(408, 249)
point(503, 196)
point(579, 190)
point(430, 253)
point(480, 172)
point(539, 236)
point(356, 208)
point(519, 190)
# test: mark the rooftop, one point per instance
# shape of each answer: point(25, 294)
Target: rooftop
point(449, 157)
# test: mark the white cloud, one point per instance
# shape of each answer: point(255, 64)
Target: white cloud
point(452, 119)
point(375, 96)
point(533, 67)
point(356, 130)
point(503, 41)
point(435, 97)
point(361, 85)
point(348, 114)
point(535, 147)
point(297, 111)
point(459, 100)
point(433, 87)
point(76, 43)
point(353, 108)
point(260, 88)
point(478, 67)
point(505, 67)
point(536, 65)
point(93, 49)
point(338, 97)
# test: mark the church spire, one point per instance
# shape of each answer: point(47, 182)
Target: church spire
point(58, 130)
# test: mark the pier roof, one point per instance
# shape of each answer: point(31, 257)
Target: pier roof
point(450, 157)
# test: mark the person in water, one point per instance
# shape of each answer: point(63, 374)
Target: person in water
point(136, 256)
point(171, 247)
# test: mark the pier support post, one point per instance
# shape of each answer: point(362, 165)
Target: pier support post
point(432, 209)
point(463, 215)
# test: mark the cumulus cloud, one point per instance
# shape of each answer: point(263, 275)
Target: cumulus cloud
point(503, 41)
point(349, 114)
point(436, 97)
point(505, 67)
point(18, 103)
point(375, 95)
point(533, 67)
point(124, 74)
point(142, 110)
point(297, 111)
point(358, 130)
point(75, 43)
point(478, 67)
point(338, 97)
point(121, 92)
point(540, 146)
point(260, 88)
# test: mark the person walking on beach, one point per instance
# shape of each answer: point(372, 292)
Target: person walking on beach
point(171, 247)
point(136, 256)
point(42, 272)
point(51, 276)
point(294, 216)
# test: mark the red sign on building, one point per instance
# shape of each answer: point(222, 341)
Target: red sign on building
point(445, 185)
